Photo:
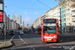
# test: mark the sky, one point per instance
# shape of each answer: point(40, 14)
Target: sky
point(29, 10)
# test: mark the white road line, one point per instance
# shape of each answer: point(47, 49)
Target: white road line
point(33, 48)
point(60, 40)
point(22, 40)
point(12, 37)
point(72, 48)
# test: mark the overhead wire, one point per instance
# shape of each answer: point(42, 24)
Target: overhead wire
point(27, 8)
point(43, 4)
point(33, 8)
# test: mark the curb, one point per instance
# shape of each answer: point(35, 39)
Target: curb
point(7, 45)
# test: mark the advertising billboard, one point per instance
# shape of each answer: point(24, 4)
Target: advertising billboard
point(1, 16)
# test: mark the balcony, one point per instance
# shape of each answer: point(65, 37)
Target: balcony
point(73, 19)
point(72, 8)
point(72, 4)
point(72, 0)
point(73, 13)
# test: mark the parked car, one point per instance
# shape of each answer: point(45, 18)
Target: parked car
point(21, 32)
point(11, 33)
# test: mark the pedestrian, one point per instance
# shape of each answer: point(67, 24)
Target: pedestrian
point(2, 32)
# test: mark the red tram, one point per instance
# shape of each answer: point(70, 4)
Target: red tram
point(50, 30)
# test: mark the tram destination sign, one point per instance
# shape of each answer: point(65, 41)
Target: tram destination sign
point(50, 21)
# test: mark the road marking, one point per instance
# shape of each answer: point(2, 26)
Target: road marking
point(12, 37)
point(72, 48)
point(22, 40)
point(12, 49)
point(33, 48)
point(60, 40)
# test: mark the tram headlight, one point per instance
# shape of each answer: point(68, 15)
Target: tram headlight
point(44, 36)
point(54, 36)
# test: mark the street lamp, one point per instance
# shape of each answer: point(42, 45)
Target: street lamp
point(8, 22)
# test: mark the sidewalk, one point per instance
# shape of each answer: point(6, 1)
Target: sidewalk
point(67, 34)
point(2, 44)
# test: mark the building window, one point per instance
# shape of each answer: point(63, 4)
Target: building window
point(64, 10)
point(68, 9)
point(64, 14)
point(64, 19)
point(64, 24)
point(68, 4)
point(67, 18)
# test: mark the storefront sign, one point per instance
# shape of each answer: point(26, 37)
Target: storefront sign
point(1, 16)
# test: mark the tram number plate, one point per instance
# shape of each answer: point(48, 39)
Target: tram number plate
point(49, 39)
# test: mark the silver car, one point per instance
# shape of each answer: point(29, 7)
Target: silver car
point(21, 32)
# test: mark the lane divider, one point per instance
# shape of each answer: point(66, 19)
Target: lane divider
point(72, 48)
point(25, 42)
point(33, 48)
point(61, 40)
point(12, 38)
point(22, 40)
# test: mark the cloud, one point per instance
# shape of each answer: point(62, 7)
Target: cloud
point(35, 12)
point(26, 13)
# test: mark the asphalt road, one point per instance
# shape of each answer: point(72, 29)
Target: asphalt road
point(33, 42)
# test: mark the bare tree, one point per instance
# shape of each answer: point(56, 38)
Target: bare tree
point(62, 2)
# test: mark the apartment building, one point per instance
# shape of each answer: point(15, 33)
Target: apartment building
point(13, 25)
point(17, 18)
point(72, 12)
point(54, 13)
point(67, 14)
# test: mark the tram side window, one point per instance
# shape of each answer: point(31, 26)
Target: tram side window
point(40, 29)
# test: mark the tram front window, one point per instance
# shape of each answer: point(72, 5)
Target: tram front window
point(49, 26)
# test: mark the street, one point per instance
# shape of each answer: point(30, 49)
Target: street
point(37, 25)
point(34, 42)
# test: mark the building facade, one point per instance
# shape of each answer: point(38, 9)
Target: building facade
point(67, 15)
point(17, 18)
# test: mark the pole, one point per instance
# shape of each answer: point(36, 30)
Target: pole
point(8, 22)
point(60, 22)
point(71, 17)
point(5, 31)
point(5, 28)
point(4, 24)
point(23, 25)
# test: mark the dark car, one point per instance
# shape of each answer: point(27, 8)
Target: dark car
point(11, 32)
